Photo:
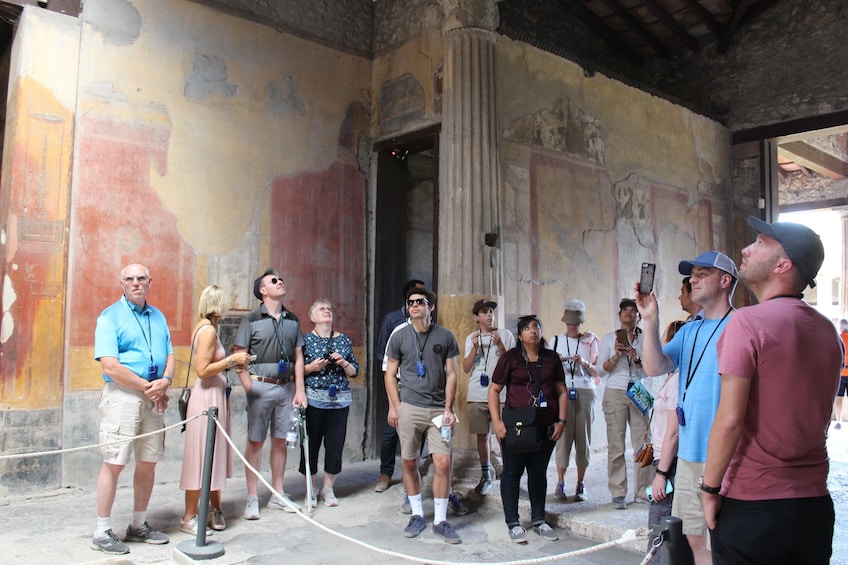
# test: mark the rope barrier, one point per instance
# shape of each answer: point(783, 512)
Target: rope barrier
point(627, 536)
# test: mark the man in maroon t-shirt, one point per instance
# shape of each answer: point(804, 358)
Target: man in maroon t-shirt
point(767, 454)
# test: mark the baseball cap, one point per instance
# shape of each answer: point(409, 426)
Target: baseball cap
point(627, 303)
point(575, 312)
point(482, 303)
point(802, 245)
point(712, 260)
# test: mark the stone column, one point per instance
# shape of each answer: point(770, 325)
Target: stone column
point(469, 217)
point(469, 222)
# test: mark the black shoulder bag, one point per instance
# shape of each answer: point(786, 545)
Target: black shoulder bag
point(522, 431)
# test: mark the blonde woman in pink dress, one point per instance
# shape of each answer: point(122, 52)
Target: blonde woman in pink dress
point(209, 361)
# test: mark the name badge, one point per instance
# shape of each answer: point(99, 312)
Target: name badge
point(282, 368)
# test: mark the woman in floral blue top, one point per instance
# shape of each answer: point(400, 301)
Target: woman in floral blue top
point(328, 364)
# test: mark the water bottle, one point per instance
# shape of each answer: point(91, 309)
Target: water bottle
point(293, 435)
point(445, 431)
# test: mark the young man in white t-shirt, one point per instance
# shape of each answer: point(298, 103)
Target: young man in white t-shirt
point(483, 349)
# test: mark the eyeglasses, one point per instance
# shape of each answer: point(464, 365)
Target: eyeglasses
point(275, 280)
point(416, 302)
point(141, 280)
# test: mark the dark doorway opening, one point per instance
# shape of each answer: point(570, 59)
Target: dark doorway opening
point(406, 240)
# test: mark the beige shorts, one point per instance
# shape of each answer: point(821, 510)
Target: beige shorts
point(413, 421)
point(687, 504)
point(123, 415)
point(479, 420)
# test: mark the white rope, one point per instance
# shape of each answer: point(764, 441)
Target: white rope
point(627, 536)
point(92, 446)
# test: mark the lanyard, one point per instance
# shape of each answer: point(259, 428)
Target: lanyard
point(486, 356)
point(570, 360)
point(149, 331)
point(690, 374)
point(530, 377)
point(280, 334)
point(328, 341)
point(418, 343)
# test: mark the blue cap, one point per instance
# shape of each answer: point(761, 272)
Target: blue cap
point(710, 260)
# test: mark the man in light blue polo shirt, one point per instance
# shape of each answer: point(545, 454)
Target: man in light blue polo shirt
point(133, 344)
point(713, 276)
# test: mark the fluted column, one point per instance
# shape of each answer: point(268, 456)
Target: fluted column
point(469, 261)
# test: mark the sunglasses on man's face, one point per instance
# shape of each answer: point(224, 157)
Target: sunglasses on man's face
point(275, 280)
point(416, 302)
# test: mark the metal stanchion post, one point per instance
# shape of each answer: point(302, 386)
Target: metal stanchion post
point(675, 548)
point(198, 548)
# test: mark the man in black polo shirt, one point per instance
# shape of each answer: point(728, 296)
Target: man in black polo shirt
point(273, 384)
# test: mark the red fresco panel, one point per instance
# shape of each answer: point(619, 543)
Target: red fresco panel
point(318, 244)
point(119, 219)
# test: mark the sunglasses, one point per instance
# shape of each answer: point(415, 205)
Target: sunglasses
point(416, 302)
point(275, 280)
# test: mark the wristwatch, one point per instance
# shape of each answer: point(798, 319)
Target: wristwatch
point(561, 420)
point(707, 489)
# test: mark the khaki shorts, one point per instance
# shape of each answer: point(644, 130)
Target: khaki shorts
point(125, 414)
point(687, 504)
point(413, 421)
point(269, 406)
point(479, 419)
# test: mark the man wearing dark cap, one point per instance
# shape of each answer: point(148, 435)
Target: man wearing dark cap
point(273, 384)
point(483, 349)
point(764, 489)
point(713, 278)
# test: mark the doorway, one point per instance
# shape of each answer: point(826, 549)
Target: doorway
point(406, 240)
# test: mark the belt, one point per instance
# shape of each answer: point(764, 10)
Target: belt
point(272, 381)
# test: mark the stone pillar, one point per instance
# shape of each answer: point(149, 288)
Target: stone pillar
point(469, 216)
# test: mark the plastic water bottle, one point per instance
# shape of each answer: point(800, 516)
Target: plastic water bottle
point(445, 431)
point(293, 435)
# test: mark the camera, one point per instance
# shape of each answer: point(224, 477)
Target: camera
point(329, 357)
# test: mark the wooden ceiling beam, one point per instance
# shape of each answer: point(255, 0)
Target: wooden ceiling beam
point(591, 19)
point(814, 158)
point(706, 17)
point(732, 25)
point(672, 25)
point(638, 27)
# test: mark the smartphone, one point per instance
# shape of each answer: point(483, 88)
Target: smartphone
point(621, 338)
point(253, 357)
point(646, 278)
point(650, 490)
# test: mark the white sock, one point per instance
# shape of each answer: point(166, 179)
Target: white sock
point(440, 510)
point(103, 524)
point(139, 518)
point(416, 504)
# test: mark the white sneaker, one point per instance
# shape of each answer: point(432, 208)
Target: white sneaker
point(251, 509)
point(329, 497)
point(283, 503)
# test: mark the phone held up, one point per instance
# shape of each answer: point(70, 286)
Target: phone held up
point(646, 278)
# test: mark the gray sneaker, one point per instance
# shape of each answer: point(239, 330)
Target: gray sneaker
point(145, 534)
point(251, 509)
point(285, 503)
point(446, 532)
point(406, 507)
point(518, 534)
point(456, 505)
point(546, 532)
point(484, 486)
point(109, 543)
point(415, 527)
point(618, 503)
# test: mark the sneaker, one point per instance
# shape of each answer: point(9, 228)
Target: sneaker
point(329, 497)
point(518, 534)
point(580, 493)
point(456, 505)
point(446, 532)
point(313, 503)
point(145, 534)
point(559, 492)
point(190, 527)
point(618, 503)
point(216, 520)
point(640, 500)
point(415, 526)
point(284, 503)
point(109, 543)
point(546, 532)
point(484, 486)
point(838, 425)
point(406, 507)
point(383, 483)
point(251, 509)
